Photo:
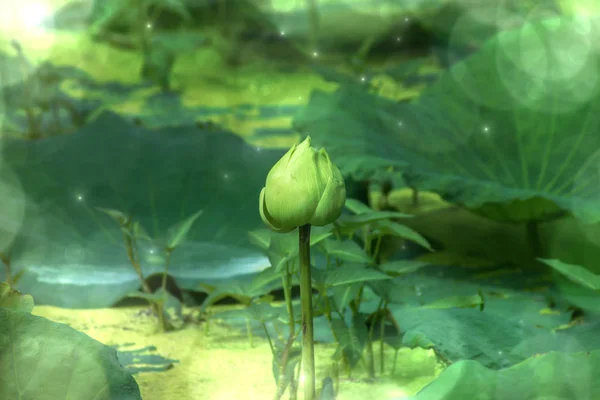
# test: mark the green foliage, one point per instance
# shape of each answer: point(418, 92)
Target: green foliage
point(119, 216)
point(346, 250)
point(129, 14)
point(348, 270)
point(351, 339)
point(34, 91)
point(167, 304)
point(502, 133)
point(168, 307)
point(177, 234)
point(342, 295)
point(349, 274)
point(42, 359)
point(458, 302)
point(395, 229)
point(152, 177)
point(292, 362)
point(400, 267)
point(576, 273)
point(243, 290)
point(374, 225)
point(14, 300)
point(555, 375)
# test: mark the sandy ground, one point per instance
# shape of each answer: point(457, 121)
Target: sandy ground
point(221, 365)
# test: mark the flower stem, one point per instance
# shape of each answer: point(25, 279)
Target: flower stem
point(164, 324)
point(308, 351)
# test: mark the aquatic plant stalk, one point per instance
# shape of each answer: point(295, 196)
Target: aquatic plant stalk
point(287, 290)
point(308, 351)
point(161, 308)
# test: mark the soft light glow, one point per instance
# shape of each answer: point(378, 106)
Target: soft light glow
point(315, 54)
point(33, 14)
point(79, 197)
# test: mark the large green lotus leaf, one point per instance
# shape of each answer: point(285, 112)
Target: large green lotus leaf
point(552, 376)
point(45, 360)
point(459, 27)
point(74, 254)
point(510, 132)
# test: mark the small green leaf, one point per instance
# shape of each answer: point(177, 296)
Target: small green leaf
point(261, 238)
point(348, 274)
point(414, 339)
point(320, 233)
point(176, 234)
point(119, 216)
point(236, 289)
point(357, 207)
point(352, 339)
point(262, 283)
point(14, 300)
point(457, 302)
point(262, 312)
point(576, 273)
point(344, 294)
point(283, 249)
point(402, 231)
point(401, 267)
point(139, 232)
point(346, 250)
point(358, 220)
point(384, 289)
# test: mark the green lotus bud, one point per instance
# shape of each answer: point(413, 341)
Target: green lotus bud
point(303, 187)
